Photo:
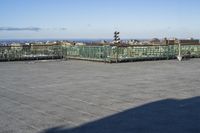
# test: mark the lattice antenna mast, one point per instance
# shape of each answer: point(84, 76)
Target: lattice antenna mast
point(116, 37)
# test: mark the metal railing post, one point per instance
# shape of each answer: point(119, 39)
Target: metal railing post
point(179, 52)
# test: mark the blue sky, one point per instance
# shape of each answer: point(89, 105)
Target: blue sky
point(22, 19)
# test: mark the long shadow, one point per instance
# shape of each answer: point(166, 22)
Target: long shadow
point(165, 116)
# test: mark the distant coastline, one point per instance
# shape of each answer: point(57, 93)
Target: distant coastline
point(9, 41)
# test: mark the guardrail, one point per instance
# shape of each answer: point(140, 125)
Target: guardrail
point(15, 53)
point(120, 54)
point(98, 53)
point(131, 53)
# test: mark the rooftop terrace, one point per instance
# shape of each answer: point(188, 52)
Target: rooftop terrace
point(90, 97)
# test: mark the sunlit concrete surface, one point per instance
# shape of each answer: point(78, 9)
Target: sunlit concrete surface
point(37, 96)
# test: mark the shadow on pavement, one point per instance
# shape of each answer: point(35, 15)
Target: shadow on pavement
point(165, 116)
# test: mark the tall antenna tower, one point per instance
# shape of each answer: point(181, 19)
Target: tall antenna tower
point(116, 37)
